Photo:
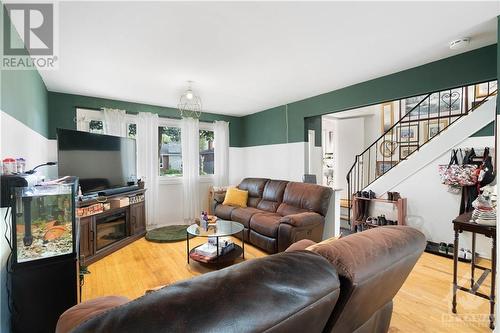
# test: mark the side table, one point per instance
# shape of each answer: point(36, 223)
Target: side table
point(460, 224)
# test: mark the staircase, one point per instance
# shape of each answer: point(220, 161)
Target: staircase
point(424, 120)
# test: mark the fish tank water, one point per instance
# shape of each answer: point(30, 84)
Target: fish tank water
point(44, 221)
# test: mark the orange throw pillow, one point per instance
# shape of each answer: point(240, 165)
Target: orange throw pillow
point(236, 197)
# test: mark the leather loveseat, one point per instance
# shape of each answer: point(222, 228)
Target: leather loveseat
point(342, 286)
point(278, 212)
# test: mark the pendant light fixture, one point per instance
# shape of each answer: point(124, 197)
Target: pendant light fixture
point(190, 103)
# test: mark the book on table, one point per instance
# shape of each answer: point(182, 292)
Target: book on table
point(209, 249)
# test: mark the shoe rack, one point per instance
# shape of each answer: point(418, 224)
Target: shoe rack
point(400, 205)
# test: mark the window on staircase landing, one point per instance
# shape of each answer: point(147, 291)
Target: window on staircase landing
point(407, 125)
point(484, 89)
point(452, 102)
point(439, 104)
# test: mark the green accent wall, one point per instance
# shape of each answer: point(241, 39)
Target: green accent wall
point(466, 68)
point(23, 93)
point(313, 123)
point(265, 128)
point(62, 112)
point(488, 130)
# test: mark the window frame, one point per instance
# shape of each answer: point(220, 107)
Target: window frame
point(84, 116)
point(174, 179)
point(207, 127)
point(169, 122)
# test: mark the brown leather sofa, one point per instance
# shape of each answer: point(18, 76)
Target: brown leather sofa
point(342, 286)
point(278, 212)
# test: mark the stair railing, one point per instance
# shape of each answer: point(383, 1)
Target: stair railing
point(423, 118)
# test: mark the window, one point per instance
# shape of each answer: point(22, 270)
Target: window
point(96, 126)
point(170, 151)
point(90, 120)
point(206, 152)
point(131, 130)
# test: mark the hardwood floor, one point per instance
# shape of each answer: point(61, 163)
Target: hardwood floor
point(422, 305)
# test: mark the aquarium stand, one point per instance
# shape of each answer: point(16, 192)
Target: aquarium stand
point(42, 270)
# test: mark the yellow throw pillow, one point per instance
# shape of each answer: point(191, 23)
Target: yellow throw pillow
point(327, 241)
point(236, 197)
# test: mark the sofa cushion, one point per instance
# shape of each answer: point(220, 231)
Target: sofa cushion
point(266, 224)
point(301, 245)
point(268, 244)
point(306, 219)
point(273, 195)
point(308, 197)
point(79, 313)
point(255, 188)
point(285, 209)
point(243, 215)
point(372, 266)
point(236, 197)
point(224, 212)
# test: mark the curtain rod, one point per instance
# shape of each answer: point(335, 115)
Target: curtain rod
point(160, 116)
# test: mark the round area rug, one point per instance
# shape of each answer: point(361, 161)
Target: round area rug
point(171, 233)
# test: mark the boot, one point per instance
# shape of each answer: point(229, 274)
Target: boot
point(359, 207)
point(366, 209)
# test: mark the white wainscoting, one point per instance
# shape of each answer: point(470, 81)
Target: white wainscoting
point(279, 161)
point(18, 140)
point(171, 201)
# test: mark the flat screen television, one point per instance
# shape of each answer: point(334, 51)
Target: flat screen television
point(102, 162)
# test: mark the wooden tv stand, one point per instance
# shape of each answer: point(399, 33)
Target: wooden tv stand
point(133, 224)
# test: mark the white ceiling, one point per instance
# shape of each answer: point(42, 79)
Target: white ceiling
point(245, 57)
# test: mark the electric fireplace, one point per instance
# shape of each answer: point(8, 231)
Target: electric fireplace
point(110, 229)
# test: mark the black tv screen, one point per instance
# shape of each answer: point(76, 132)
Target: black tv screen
point(100, 161)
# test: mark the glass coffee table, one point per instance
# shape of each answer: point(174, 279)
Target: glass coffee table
point(220, 228)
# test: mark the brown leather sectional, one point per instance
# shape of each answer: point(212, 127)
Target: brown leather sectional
point(344, 286)
point(278, 212)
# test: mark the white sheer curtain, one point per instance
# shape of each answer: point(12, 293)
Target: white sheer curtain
point(147, 163)
point(190, 168)
point(114, 122)
point(221, 142)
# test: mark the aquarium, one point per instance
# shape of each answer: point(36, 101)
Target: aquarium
point(44, 222)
